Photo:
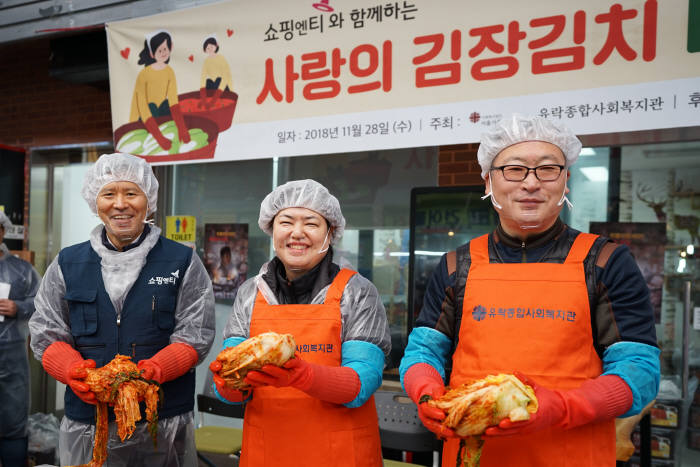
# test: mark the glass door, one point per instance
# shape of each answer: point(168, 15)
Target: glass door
point(441, 220)
point(660, 184)
point(58, 217)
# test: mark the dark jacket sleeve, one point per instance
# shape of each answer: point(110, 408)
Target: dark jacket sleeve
point(623, 305)
point(438, 311)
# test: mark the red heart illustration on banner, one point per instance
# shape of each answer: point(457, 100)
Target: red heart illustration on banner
point(125, 52)
point(229, 32)
point(191, 58)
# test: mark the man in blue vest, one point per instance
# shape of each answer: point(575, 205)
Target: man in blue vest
point(125, 291)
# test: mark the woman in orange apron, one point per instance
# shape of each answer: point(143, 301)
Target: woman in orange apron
point(318, 409)
point(569, 312)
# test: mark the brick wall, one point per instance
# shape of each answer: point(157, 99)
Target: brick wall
point(37, 110)
point(457, 165)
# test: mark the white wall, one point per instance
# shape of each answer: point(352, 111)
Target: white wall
point(77, 220)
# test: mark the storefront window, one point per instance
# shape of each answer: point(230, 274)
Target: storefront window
point(660, 200)
point(225, 192)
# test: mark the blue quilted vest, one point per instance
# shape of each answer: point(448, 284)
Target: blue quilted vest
point(146, 323)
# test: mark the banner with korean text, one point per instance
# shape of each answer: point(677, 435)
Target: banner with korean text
point(242, 79)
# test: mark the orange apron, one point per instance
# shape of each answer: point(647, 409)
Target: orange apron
point(285, 426)
point(533, 318)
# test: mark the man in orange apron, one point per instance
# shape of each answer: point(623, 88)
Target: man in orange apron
point(568, 311)
point(318, 409)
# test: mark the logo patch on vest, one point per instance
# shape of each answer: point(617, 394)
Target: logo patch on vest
point(480, 313)
point(174, 276)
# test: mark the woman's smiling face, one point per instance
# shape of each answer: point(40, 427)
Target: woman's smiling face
point(300, 237)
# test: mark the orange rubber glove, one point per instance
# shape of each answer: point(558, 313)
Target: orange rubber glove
point(64, 363)
point(421, 380)
point(336, 384)
point(230, 394)
point(152, 127)
point(202, 98)
point(182, 130)
point(604, 397)
point(173, 361)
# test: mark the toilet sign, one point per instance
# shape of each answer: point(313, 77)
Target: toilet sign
point(181, 228)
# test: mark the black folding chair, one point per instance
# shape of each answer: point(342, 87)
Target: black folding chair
point(401, 429)
point(217, 440)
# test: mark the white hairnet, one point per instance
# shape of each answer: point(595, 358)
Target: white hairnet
point(5, 221)
point(307, 194)
point(120, 167)
point(518, 129)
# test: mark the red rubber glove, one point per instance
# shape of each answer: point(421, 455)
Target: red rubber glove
point(152, 127)
point(421, 380)
point(182, 131)
point(604, 397)
point(202, 98)
point(214, 98)
point(64, 363)
point(230, 394)
point(295, 372)
point(172, 361)
point(336, 384)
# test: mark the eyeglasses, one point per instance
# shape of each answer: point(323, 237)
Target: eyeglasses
point(518, 173)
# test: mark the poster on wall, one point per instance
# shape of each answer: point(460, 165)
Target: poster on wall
point(224, 81)
point(226, 257)
point(646, 241)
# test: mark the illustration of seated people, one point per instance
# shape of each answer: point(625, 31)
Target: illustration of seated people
point(225, 272)
point(216, 74)
point(155, 96)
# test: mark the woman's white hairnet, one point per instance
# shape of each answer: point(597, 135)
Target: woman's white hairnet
point(518, 129)
point(307, 194)
point(119, 167)
point(5, 221)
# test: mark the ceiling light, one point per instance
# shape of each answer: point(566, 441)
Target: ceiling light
point(595, 174)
